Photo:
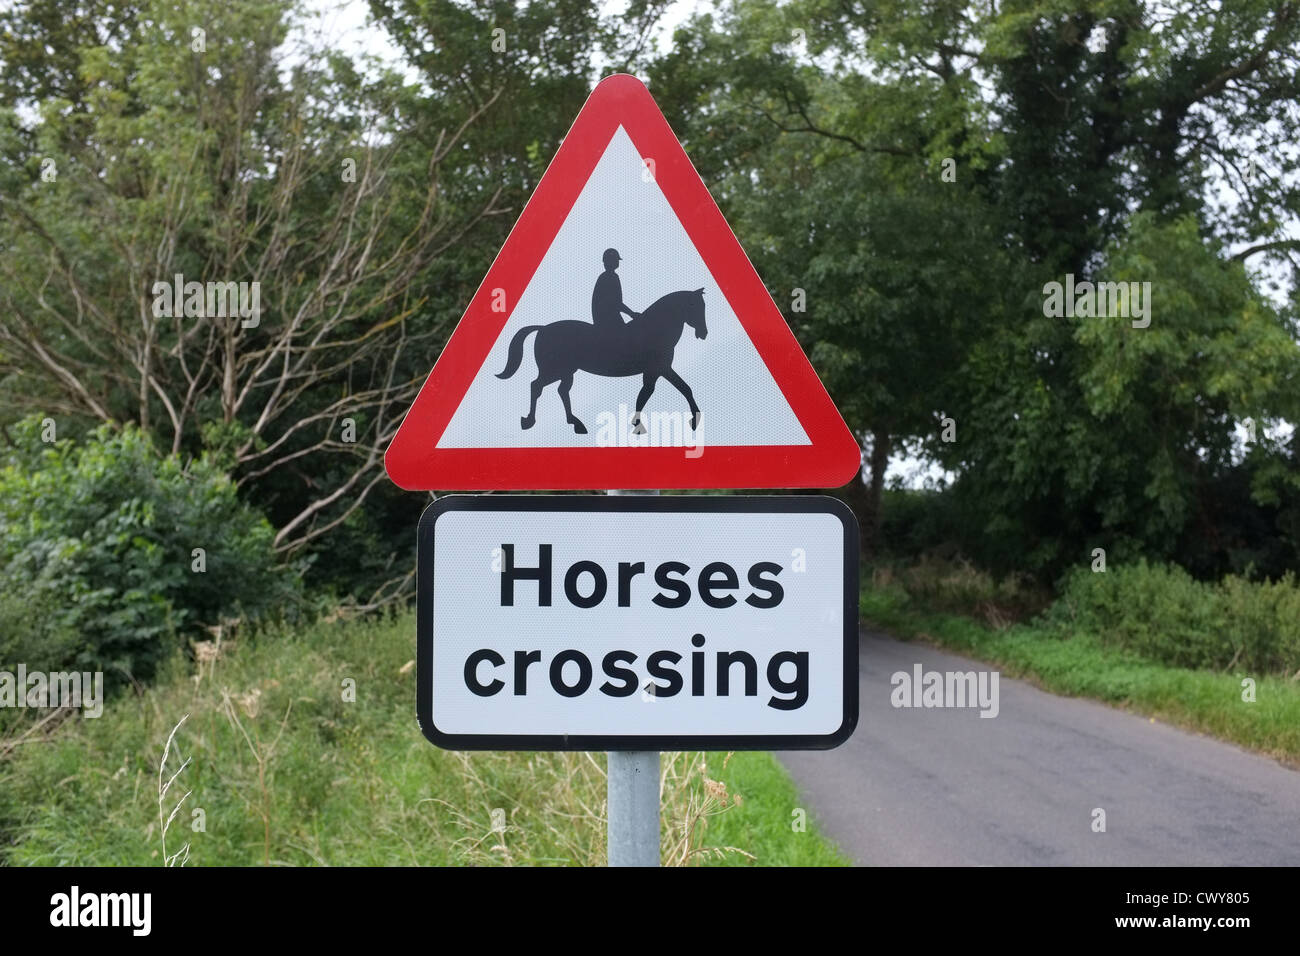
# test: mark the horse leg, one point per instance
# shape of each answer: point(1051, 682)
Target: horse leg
point(534, 390)
point(647, 389)
point(566, 383)
point(681, 386)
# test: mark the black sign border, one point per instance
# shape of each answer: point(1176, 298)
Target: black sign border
point(670, 504)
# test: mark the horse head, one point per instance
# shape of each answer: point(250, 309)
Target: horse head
point(695, 313)
point(671, 313)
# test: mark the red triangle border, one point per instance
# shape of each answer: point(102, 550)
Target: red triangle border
point(415, 463)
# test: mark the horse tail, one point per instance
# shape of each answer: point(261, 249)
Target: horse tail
point(516, 354)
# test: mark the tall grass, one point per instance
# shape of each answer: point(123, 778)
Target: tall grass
point(282, 770)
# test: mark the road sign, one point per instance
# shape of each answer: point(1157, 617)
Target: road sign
point(634, 623)
point(622, 339)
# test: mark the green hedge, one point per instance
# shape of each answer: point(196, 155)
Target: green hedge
point(1163, 613)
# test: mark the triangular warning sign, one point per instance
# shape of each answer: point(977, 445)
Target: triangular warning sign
point(622, 339)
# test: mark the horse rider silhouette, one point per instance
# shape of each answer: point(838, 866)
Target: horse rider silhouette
point(607, 297)
point(608, 347)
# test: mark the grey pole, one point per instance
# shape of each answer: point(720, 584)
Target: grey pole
point(633, 796)
point(633, 807)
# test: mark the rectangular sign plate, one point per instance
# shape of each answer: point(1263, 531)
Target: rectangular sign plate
point(637, 623)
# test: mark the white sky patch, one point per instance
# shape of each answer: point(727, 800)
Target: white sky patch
point(347, 26)
point(909, 471)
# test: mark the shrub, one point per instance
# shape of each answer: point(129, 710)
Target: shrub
point(97, 541)
point(1262, 621)
point(957, 586)
point(1163, 613)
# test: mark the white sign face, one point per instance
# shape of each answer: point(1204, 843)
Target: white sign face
point(744, 406)
point(637, 623)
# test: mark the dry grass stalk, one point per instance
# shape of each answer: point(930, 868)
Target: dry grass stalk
point(180, 856)
point(263, 753)
point(688, 807)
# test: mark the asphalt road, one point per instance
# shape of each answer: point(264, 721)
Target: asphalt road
point(943, 786)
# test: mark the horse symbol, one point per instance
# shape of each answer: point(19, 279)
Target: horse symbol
point(642, 347)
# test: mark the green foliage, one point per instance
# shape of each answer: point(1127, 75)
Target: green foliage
point(98, 539)
point(1161, 613)
point(918, 521)
point(1088, 432)
point(1082, 137)
point(954, 585)
point(917, 173)
point(318, 184)
point(29, 633)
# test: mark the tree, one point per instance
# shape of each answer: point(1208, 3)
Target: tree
point(319, 201)
point(1080, 137)
point(881, 261)
point(1124, 125)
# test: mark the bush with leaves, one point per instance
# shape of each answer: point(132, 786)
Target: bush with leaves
point(99, 547)
point(1163, 613)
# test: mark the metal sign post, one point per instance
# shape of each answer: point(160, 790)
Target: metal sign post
point(632, 794)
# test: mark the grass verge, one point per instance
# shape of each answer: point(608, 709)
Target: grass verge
point(301, 748)
point(1076, 663)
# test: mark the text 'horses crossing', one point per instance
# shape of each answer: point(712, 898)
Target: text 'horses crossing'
point(607, 623)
